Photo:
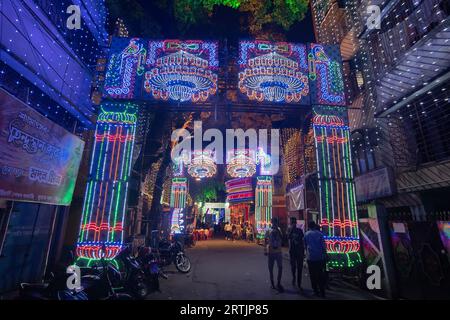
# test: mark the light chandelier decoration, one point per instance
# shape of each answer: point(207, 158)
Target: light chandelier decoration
point(181, 74)
point(272, 75)
point(241, 163)
point(202, 165)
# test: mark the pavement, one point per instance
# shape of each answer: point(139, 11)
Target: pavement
point(227, 270)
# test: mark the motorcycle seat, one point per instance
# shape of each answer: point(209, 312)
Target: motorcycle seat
point(40, 286)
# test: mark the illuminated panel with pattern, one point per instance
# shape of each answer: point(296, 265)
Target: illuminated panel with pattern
point(162, 70)
point(274, 72)
point(239, 190)
point(325, 75)
point(181, 70)
point(125, 67)
point(101, 229)
point(338, 215)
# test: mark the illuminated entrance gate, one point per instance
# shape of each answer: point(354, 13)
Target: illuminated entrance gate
point(184, 74)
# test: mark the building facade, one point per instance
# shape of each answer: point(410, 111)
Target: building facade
point(47, 65)
point(397, 70)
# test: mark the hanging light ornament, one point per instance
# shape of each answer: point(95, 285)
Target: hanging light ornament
point(202, 165)
point(241, 163)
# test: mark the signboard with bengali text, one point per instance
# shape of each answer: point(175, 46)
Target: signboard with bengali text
point(39, 160)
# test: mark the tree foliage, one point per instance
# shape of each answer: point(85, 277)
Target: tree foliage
point(259, 12)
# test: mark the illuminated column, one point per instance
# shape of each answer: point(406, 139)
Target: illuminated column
point(263, 204)
point(338, 214)
point(101, 229)
point(178, 195)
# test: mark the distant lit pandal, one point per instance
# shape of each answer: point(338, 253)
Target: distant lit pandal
point(202, 165)
point(181, 76)
point(241, 163)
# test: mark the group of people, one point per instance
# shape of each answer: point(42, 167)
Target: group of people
point(239, 231)
point(316, 255)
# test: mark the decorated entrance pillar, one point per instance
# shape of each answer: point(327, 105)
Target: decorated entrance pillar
point(338, 215)
point(101, 228)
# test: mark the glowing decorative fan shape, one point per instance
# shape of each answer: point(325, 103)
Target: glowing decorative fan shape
point(202, 165)
point(181, 76)
point(241, 164)
point(274, 78)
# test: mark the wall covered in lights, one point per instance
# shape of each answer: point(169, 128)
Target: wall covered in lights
point(101, 229)
point(166, 70)
point(338, 215)
point(36, 43)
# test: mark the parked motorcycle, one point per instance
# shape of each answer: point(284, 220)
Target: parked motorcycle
point(149, 260)
point(54, 288)
point(173, 252)
point(133, 275)
point(103, 282)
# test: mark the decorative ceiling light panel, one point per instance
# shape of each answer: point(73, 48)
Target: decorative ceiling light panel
point(181, 70)
point(273, 72)
point(325, 75)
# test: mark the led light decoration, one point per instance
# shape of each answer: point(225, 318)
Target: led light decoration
point(178, 196)
point(181, 70)
point(241, 163)
point(263, 205)
point(123, 67)
point(327, 75)
point(338, 215)
point(202, 165)
point(101, 230)
point(178, 193)
point(178, 221)
point(273, 72)
point(239, 190)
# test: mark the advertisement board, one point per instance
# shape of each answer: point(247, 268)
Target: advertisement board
point(39, 160)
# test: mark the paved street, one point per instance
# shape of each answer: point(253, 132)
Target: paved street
point(237, 270)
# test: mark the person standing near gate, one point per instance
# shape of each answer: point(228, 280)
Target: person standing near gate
point(296, 252)
point(316, 256)
point(273, 250)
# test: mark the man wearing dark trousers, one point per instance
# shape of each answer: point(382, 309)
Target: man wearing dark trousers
point(273, 250)
point(296, 252)
point(316, 256)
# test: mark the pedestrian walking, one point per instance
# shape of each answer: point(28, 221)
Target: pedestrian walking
point(273, 250)
point(227, 230)
point(316, 256)
point(296, 252)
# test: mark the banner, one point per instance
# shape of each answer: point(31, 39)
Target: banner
point(296, 199)
point(375, 184)
point(39, 160)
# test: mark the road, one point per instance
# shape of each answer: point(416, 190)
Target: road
point(227, 270)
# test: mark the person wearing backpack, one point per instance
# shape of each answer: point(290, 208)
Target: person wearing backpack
point(296, 252)
point(273, 250)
